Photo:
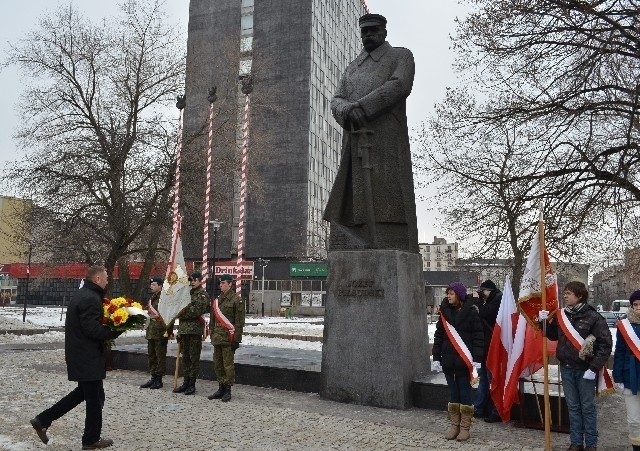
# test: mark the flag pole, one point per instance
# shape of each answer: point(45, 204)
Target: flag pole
point(545, 357)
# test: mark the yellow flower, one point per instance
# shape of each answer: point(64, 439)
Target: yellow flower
point(119, 301)
point(119, 317)
point(136, 305)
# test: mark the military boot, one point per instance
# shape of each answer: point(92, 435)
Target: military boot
point(149, 383)
point(218, 394)
point(157, 383)
point(226, 397)
point(191, 388)
point(183, 387)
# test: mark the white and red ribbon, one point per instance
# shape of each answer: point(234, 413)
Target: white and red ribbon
point(224, 321)
point(604, 378)
point(629, 335)
point(460, 347)
point(153, 313)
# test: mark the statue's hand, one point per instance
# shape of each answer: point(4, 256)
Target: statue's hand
point(357, 117)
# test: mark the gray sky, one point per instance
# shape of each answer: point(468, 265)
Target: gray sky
point(422, 26)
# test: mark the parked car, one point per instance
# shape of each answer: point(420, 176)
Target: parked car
point(611, 318)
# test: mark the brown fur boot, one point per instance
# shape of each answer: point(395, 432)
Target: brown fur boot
point(454, 417)
point(466, 417)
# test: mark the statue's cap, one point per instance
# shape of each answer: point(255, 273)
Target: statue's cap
point(372, 20)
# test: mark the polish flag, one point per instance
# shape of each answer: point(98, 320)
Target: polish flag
point(501, 348)
point(525, 357)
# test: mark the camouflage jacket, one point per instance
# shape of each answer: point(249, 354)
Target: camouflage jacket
point(155, 329)
point(190, 323)
point(232, 307)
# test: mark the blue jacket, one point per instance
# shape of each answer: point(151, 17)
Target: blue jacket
point(626, 368)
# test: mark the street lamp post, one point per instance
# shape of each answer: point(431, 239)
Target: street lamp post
point(26, 291)
point(263, 265)
point(216, 226)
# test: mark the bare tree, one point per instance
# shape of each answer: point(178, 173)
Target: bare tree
point(561, 76)
point(97, 131)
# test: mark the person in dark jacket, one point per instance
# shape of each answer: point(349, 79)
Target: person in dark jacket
point(488, 300)
point(84, 346)
point(579, 368)
point(626, 371)
point(461, 314)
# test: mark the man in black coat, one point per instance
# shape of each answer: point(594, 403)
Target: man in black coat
point(84, 354)
point(488, 300)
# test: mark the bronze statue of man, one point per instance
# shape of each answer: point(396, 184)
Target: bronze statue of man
point(372, 202)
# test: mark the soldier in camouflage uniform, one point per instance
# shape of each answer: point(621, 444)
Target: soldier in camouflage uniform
point(156, 339)
point(225, 345)
point(190, 331)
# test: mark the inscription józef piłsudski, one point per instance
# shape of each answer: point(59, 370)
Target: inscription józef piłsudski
point(361, 288)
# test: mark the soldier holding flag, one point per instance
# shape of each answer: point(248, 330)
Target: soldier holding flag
point(156, 337)
point(190, 331)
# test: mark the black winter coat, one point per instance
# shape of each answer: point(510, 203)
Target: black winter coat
point(85, 335)
point(488, 311)
point(467, 323)
point(587, 322)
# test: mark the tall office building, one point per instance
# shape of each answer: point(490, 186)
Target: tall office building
point(295, 52)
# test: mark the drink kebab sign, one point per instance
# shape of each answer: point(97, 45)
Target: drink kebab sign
point(244, 271)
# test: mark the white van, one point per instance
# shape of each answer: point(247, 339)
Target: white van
point(620, 305)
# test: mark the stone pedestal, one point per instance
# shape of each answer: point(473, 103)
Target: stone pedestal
point(375, 328)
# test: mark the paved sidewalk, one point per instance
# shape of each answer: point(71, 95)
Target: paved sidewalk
point(255, 419)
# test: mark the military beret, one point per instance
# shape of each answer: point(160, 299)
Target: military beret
point(156, 279)
point(196, 275)
point(226, 278)
point(372, 20)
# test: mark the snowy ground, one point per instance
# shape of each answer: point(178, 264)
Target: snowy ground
point(44, 318)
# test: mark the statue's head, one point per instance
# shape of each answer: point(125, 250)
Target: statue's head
point(373, 31)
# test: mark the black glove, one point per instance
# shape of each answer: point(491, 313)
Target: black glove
point(235, 345)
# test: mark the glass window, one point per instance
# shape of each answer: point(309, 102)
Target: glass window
point(246, 44)
point(246, 3)
point(245, 67)
point(246, 24)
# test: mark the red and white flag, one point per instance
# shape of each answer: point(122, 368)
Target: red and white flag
point(501, 348)
point(525, 357)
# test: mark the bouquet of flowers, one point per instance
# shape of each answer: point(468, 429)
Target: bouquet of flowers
point(122, 314)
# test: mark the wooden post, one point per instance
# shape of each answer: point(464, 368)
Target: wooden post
point(545, 357)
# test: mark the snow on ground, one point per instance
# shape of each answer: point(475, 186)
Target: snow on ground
point(48, 317)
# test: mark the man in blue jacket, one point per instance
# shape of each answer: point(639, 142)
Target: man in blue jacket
point(84, 354)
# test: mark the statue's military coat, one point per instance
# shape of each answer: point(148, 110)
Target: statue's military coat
point(379, 82)
point(190, 323)
point(232, 307)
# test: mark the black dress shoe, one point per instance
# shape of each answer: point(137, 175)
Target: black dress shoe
point(102, 443)
point(40, 430)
